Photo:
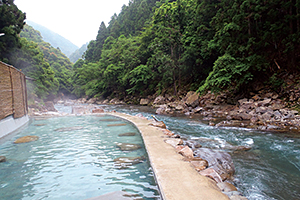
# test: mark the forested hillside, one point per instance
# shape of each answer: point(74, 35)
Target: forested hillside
point(156, 47)
point(78, 54)
point(56, 40)
point(50, 69)
point(172, 46)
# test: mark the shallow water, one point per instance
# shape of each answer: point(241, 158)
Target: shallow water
point(270, 170)
point(75, 163)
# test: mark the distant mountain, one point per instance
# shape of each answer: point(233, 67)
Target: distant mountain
point(54, 39)
point(78, 53)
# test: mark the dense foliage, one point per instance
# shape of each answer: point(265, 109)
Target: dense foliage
point(163, 46)
point(11, 24)
point(50, 69)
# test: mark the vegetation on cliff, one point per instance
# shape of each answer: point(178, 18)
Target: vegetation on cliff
point(154, 46)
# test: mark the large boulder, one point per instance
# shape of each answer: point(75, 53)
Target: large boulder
point(221, 162)
point(50, 106)
point(144, 102)
point(159, 100)
point(192, 99)
point(26, 139)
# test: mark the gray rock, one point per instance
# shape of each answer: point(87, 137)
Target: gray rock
point(159, 100)
point(221, 162)
point(144, 102)
point(192, 99)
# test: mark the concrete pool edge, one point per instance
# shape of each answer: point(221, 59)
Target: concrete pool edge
point(176, 178)
point(10, 124)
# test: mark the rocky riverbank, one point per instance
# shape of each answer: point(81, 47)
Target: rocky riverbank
point(265, 111)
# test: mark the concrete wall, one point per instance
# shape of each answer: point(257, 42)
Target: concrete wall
point(9, 124)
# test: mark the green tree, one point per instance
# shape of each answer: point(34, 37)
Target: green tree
point(11, 24)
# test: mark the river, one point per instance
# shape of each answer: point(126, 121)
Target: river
point(270, 170)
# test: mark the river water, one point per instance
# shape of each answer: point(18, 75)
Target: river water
point(270, 170)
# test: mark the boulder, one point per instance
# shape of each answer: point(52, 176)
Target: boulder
point(2, 159)
point(186, 152)
point(128, 146)
point(199, 164)
point(50, 106)
point(26, 139)
point(211, 173)
point(98, 110)
point(220, 161)
point(124, 162)
point(91, 100)
point(80, 110)
point(174, 142)
point(168, 132)
point(192, 144)
point(161, 110)
point(192, 99)
point(226, 187)
point(159, 100)
point(144, 102)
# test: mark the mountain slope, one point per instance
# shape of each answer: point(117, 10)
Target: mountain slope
point(78, 53)
point(54, 39)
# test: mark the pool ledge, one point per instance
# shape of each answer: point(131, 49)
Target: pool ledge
point(176, 178)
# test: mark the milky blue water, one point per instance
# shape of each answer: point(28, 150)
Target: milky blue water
point(269, 171)
point(73, 164)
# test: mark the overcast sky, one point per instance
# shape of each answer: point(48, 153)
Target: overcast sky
point(76, 20)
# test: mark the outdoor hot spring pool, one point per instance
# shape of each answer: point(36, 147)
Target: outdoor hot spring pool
point(75, 158)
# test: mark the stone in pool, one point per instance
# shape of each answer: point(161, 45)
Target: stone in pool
point(128, 146)
point(69, 128)
point(127, 134)
point(2, 159)
point(25, 139)
point(122, 124)
point(124, 162)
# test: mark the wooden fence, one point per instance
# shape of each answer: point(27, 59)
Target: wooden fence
point(13, 95)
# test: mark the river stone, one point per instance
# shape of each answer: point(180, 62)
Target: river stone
point(168, 132)
point(98, 110)
point(50, 106)
point(2, 159)
point(25, 139)
point(128, 146)
point(124, 162)
point(122, 124)
point(192, 144)
point(221, 162)
point(69, 129)
point(39, 124)
point(174, 142)
point(159, 100)
point(211, 173)
point(127, 134)
point(199, 164)
point(144, 102)
point(186, 152)
point(226, 187)
point(192, 99)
